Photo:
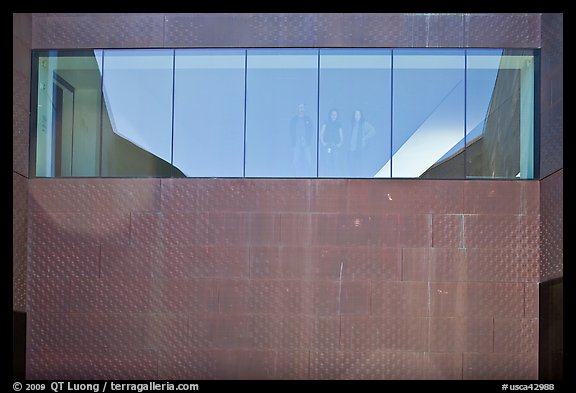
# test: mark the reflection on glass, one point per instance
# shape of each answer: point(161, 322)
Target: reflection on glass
point(370, 112)
point(68, 114)
point(281, 112)
point(428, 110)
point(355, 94)
point(500, 113)
point(331, 141)
point(302, 135)
point(209, 112)
point(137, 112)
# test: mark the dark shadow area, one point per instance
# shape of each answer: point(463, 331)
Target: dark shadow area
point(18, 345)
point(551, 341)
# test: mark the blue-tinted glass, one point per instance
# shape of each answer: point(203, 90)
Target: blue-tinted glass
point(500, 113)
point(220, 112)
point(68, 114)
point(354, 112)
point(137, 113)
point(209, 112)
point(281, 112)
point(428, 113)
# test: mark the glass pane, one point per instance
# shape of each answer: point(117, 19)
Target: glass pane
point(209, 112)
point(68, 114)
point(355, 112)
point(428, 108)
point(500, 114)
point(137, 113)
point(433, 113)
point(281, 112)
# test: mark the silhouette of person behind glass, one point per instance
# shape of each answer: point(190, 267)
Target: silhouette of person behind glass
point(361, 132)
point(301, 133)
point(331, 138)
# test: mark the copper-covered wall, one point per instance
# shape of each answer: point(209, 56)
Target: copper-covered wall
point(551, 146)
point(551, 198)
point(21, 47)
point(285, 29)
point(254, 278)
point(551, 94)
point(551, 343)
point(552, 221)
point(21, 56)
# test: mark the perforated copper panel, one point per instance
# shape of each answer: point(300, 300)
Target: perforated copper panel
point(398, 33)
point(21, 117)
point(65, 259)
point(448, 299)
point(19, 282)
point(262, 228)
point(95, 365)
point(416, 264)
point(502, 30)
point(531, 303)
point(501, 231)
point(94, 195)
point(374, 364)
point(243, 364)
point(455, 334)
point(441, 31)
point(188, 365)
point(112, 295)
point(530, 197)
point(98, 31)
point(181, 195)
point(326, 334)
point(443, 365)
point(494, 299)
point(392, 196)
point(248, 285)
point(552, 140)
point(507, 265)
point(48, 296)
point(21, 56)
point(552, 202)
point(503, 197)
point(292, 365)
point(19, 210)
point(515, 336)
point(510, 366)
point(22, 26)
point(415, 230)
point(286, 29)
point(200, 29)
point(198, 261)
point(551, 93)
point(448, 264)
point(138, 261)
point(399, 298)
point(448, 230)
point(104, 226)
